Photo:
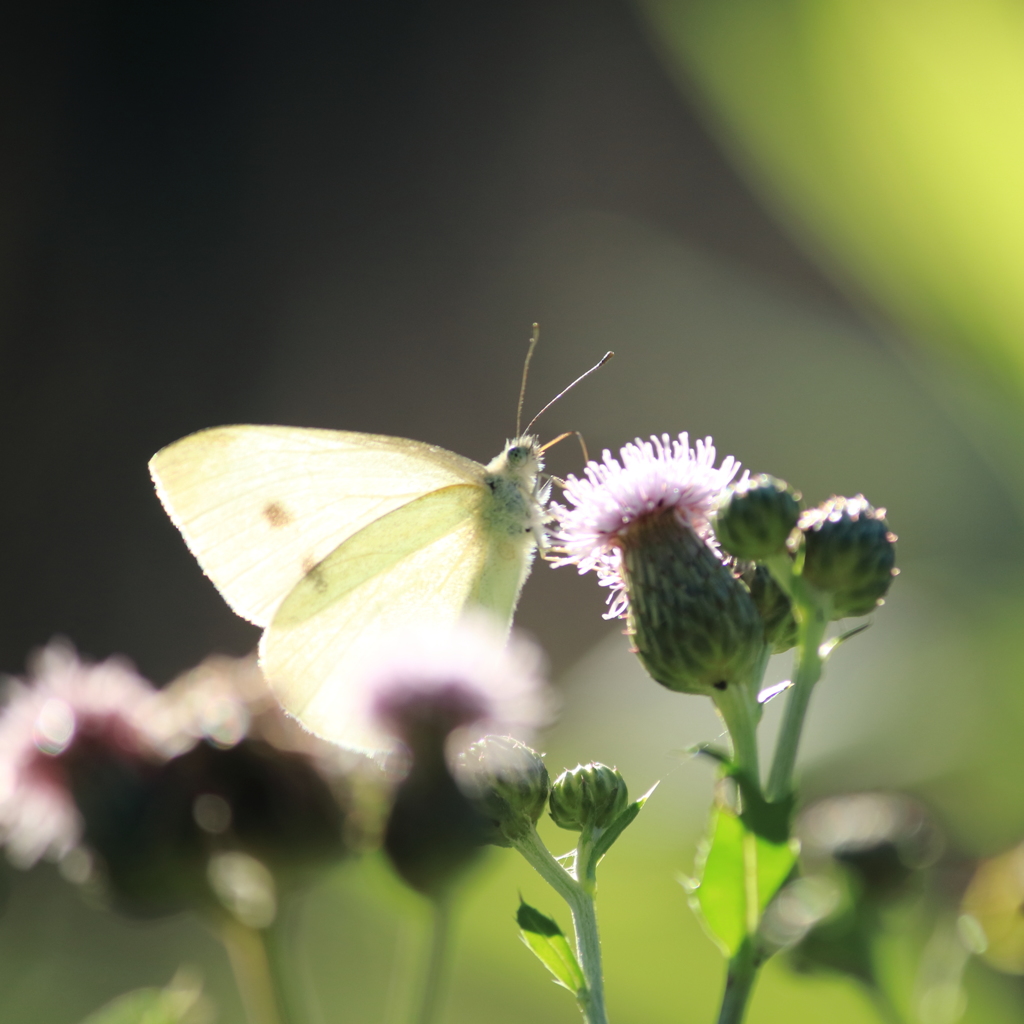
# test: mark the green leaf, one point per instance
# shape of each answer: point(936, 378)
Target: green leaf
point(738, 874)
point(546, 939)
point(618, 826)
point(180, 1003)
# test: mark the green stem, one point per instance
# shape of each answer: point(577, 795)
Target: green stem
point(812, 611)
point(739, 708)
point(739, 984)
point(437, 962)
point(578, 893)
point(279, 941)
point(247, 953)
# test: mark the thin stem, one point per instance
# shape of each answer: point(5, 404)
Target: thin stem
point(811, 631)
point(250, 965)
point(578, 893)
point(588, 949)
point(812, 611)
point(437, 962)
point(539, 857)
point(739, 984)
point(279, 941)
point(738, 706)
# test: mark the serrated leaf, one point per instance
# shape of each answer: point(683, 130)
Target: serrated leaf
point(542, 934)
point(619, 825)
point(738, 873)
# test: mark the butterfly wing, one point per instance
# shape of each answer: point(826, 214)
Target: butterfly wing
point(423, 563)
point(261, 506)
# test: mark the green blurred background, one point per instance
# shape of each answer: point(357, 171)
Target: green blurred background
point(348, 215)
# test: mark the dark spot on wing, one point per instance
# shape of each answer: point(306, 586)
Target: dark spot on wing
point(315, 574)
point(276, 514)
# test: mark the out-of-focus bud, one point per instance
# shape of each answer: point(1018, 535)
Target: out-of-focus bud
point(756, 517)
point(775, 608)
point(848, 553)
point(247, 784)
point(694, 625)
point(508, 783)
point(882, 839)
point(589, 796)
point(434, 831)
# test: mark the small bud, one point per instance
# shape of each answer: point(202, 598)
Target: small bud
point(780, 630)
point(508, 784)
point(588, 796)
point(694, 624)
point(756, 517)
point(848, 553)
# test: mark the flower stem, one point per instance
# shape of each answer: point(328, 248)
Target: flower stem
point(437, 962)
point(739, 984)
point(279, 940)
point(812, 612)
point(247, 953)
point(578, 893)
point(738, 707)
point(808, 672)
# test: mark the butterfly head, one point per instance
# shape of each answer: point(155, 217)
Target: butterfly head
point(521, 460)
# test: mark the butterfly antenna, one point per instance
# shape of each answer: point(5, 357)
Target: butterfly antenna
point(562, 437)
point(534, 338)
point(564, 391)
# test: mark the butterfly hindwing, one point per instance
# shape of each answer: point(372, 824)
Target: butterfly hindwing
point(421, 564)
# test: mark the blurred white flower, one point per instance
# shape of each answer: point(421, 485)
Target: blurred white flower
point(652, 477)
point(64, 701)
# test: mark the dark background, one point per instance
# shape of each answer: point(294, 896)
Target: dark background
point(175, 175)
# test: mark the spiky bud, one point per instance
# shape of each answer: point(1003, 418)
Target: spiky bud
point(756, 517)
point(780, 630)
point(588, 796)
point(694, 624)
point(508, 784)
point(848, 553)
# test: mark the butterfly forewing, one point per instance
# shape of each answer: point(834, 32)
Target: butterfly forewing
point(261, 506)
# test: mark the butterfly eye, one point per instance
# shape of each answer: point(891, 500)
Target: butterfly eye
point(518, 455)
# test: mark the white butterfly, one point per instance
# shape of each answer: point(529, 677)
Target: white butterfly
point(332, 540)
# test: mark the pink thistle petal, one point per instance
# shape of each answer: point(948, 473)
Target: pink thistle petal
point(652, 476)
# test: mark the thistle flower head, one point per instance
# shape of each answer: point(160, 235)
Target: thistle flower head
point(648, 479)
point(67, 709)
point(431, 682)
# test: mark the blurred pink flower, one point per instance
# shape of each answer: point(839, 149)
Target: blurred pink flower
point(652, 477)
point(470, 678)
point(64, 702)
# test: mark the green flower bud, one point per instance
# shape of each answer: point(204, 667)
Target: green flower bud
point(848, 553)
point(774, 606)
point(693, 624)
point(756, 517)
point(508, 784)
point(588, 796)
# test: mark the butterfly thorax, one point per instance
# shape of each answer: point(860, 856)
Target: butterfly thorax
point(513, 478)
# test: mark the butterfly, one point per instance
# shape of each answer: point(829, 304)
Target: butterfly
point(333, 540)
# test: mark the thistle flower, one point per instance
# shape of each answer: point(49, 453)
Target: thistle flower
point(654, 477)
point(425, 686)
point(430, 682)
point(643, 524)
point(849, 553)
point(508, 784)
point(589, 796)
point(68, 713)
